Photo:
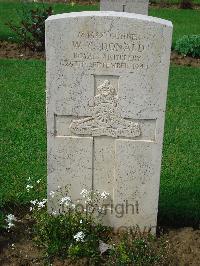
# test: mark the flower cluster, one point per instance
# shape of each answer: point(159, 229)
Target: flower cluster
point(54, 213)
point(39, 204)
point(105, 195)
point(10, 219)
point(66, 201)
point(89, 194)
point(30, 186)
point(91, 203)
point(52, 194)
point(95, 201)
point(79, 237)
point(84, 193)
point(59, 198)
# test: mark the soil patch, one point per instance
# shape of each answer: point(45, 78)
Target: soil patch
point(19, 249)
point(172, 6)
point(185, 244)
point(184, 60)
point(13, 50)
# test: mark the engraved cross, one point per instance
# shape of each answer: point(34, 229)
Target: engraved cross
point(105, 119)
point(105, 126)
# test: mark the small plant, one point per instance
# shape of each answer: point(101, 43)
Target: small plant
point(69, 231)
point(189, 45)
point(70, 235)
point(73, 233)
point(31, 28)
point(140, 249)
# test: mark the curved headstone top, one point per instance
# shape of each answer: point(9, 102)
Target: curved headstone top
point(106, 78)
point(110, 14)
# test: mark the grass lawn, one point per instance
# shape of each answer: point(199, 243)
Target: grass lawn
point(185, 21)
point(22, 86)
point(180, 182)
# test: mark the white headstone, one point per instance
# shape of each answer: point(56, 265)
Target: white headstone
point(107, 76)
point(131, 6)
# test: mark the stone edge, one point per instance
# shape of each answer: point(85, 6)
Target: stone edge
point(110, 14)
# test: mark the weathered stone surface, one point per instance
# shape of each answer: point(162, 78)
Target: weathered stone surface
point(131, 6)
point(107, 75)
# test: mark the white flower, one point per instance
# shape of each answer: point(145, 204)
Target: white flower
point(79, 236)
point(52, 194)
point(28, 187)
point(84, 193)
point(73, 206)
point(65, 200)
point(10, 218)
point(105, 195)
point(54, 213)
point(81, 221)
point(101, 209)
point(88, 199)
point(38, 181)
point(42, 203)
point(33, 202)
point(10, 225)
point(31, 208)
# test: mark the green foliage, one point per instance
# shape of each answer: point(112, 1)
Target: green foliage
point(138, 250)
point(2, 220)
point(57, 235)
point(14, 10)
point(122, 254)
point(189, 45)
point(88, 249)
point(74, 236)
point(77, 234)
point(181, 19)
point(31, 29)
